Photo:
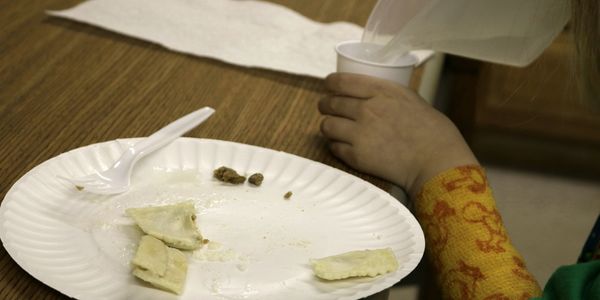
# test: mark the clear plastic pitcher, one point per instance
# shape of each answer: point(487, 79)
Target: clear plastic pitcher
point(511, 32)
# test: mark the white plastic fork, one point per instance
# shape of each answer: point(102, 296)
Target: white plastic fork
point(116, 179)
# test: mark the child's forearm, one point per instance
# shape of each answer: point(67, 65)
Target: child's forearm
point(467, 243)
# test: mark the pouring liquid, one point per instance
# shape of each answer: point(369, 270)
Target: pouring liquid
point(389, 51)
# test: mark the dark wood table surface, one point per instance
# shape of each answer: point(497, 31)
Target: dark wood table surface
point(64, 85)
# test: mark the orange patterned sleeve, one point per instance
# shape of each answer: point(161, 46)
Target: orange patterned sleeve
point(467, 243)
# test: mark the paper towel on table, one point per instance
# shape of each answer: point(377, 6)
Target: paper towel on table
point(246, 33)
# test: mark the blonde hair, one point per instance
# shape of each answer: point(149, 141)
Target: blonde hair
point(586, 32)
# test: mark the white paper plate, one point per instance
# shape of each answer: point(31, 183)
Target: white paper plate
point(81, 244)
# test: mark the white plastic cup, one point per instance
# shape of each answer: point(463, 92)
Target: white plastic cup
point(352, 57)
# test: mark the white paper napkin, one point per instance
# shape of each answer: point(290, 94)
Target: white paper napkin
point(246, 33)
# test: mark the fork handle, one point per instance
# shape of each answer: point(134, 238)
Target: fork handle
point(170, 132)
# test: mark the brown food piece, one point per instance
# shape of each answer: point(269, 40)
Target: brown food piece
point(228, 175)
point(256, 179)
point(288, 195)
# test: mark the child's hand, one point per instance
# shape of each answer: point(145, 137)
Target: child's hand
point(387, 130)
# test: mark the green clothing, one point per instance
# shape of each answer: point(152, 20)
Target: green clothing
point(574, 282)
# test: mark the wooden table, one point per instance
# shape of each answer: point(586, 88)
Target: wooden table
point(64, 85)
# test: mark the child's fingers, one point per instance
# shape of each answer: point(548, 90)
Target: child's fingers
point(343, 151)
point(355, 85)
point(341, 107)
point(339, 129)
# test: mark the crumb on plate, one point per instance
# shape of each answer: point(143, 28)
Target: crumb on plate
point(228, 175)
point(256, 179)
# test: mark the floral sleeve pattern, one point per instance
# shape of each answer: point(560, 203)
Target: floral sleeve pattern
point(466, 239)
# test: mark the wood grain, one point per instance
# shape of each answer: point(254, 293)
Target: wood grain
point(64, 85)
